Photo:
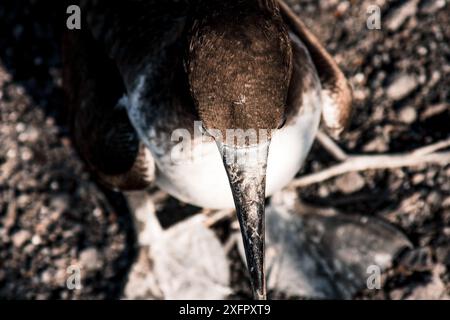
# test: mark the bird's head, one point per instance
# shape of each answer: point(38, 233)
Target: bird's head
point(239, 68)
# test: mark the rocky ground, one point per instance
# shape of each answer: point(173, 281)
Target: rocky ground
point(52, 214)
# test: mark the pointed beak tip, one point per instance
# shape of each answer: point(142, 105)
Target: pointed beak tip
point(247, 181)
point(260, 296)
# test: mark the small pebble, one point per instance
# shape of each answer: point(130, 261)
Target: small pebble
point(90, 259)
point(26, 154)
point(408, 115)
point(402, 87)
point(446, 202)
point(400, 15)
point(378, 144)
point(350, 182)
point(20, 238)
point(443, 255)
point(36, 240)
point(418, 179)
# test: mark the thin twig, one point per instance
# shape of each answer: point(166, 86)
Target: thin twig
point(433, 147)
point(218, 216)
point(356, 163)
point(331, 146)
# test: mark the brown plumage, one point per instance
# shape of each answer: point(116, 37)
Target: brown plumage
point(334, 83)
point(101, 128)
point(239, 65)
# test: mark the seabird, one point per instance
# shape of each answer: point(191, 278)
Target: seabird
point(142, 75)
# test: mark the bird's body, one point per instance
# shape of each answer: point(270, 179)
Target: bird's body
point(144, 77)
point(190, 167)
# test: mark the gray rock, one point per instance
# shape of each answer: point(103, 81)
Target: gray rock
point(90, 259)
point(379, 144)
point(399, 16)
point(408, 115)
point(59, 203)
point(443, 255)
point(402, 87)
point(20, 238)
point(446, 203)
point(30, 135)
point(432, 6)
point(418, 178)
point(350, 182)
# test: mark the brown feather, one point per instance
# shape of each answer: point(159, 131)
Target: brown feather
point(101, 130)
point(334, 83)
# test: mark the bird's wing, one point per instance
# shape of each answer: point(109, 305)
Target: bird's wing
point(151, 30)
point(102, 131)
point(336, 91)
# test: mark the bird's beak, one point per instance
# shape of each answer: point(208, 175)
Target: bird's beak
point(246, 170)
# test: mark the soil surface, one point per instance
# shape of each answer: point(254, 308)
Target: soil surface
point(53, 214)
